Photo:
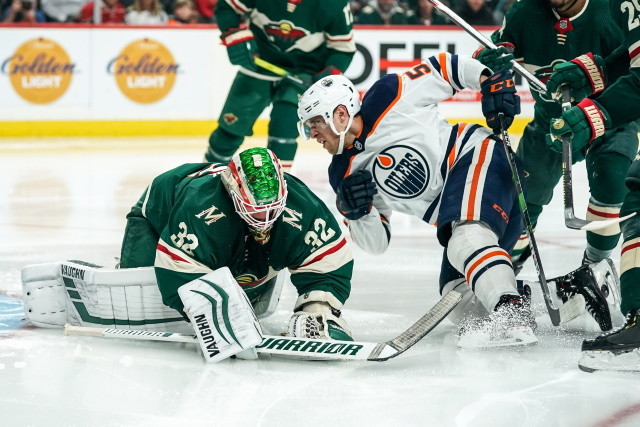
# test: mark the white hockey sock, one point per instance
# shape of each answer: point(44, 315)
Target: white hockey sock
point(473, 250)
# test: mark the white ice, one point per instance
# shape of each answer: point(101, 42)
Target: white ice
point(67, 200)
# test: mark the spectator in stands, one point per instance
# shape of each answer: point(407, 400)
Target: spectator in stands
point(423, 12)
point(476, 12)
point(205, 8)
point(357, 6)
point(146, 12)
point(384, 12)
point(23, 11)
point(184, 12)
point(111, 12)
point(62, 10)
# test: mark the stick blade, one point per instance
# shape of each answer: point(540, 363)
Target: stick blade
point(418, 330)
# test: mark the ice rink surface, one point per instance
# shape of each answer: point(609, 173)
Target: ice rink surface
point(63, 200)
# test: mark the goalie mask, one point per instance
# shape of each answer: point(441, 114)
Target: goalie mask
point(322, 98)
point(255, 182)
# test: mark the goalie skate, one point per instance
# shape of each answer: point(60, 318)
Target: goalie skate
point(599, 285)
point(511, 324)
point(616, 351)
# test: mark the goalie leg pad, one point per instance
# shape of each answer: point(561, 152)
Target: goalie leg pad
point(221, 315)
point(44, 294)
point(317, 315)
point(267, 303)
point(83, 295)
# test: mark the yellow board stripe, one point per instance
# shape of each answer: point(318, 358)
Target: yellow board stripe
point(154, 127)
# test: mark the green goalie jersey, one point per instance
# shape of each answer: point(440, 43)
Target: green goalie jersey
point(622, 99)
point(302, 36)
point(542, 39)
point(200, 232)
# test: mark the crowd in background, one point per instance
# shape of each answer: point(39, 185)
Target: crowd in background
point(171, 12)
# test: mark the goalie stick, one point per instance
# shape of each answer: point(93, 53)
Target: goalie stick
point(574, 306)
point(570, 219)
point(307, 348)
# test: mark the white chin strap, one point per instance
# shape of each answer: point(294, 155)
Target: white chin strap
point(341, 134)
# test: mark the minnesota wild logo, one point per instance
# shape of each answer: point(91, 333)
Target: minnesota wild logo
point(284, 34)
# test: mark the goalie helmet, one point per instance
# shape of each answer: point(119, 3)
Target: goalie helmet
point(322, 98)
point(255, 182)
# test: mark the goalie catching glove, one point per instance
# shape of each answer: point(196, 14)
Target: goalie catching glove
point(499, 97)
point(355, 195)
point(584, 75)
point(317, 316)
point(241, 47)
point(221, 315)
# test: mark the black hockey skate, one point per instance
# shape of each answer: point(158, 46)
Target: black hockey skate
point(595, 282)
point(618, 350)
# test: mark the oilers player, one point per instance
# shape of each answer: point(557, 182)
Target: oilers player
point(395, 152)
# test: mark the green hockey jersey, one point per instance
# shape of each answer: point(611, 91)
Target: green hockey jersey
point(302, 36)
point(622, 99)
point(543, 39)
point(200, 231)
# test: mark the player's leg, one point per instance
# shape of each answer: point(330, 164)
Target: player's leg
point(607, 162)
point(139, 241)
point(247, 98)
point(478, 204)
point(542, 171)
point(620, 350)
point(283, 132)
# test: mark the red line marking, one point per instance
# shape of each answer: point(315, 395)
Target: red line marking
point(620, 416)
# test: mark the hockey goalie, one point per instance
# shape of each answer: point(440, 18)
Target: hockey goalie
point(204, 251)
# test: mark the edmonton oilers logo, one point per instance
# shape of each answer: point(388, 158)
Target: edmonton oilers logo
point(401, 172)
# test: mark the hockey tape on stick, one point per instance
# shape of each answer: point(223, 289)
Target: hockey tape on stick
point(570, 219)
point(279, 71)
point(306, 348)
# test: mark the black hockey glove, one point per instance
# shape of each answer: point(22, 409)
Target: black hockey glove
point(355, 195)
point(499, 96)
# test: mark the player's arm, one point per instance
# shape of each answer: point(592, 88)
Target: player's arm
point(440, 76)
point(339, 39)
point(366, 213)
point(184, 253)
point(238, 40)
point(321, 273)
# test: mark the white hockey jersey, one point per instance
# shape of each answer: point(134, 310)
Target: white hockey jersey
point(407, 145)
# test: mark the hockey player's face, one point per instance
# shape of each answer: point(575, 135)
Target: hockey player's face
point(321, 132)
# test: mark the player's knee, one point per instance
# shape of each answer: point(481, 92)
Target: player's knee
point(223, 144)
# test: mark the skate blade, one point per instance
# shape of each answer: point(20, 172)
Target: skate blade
point(514, 337)
point(573, 308)
point(592, 361)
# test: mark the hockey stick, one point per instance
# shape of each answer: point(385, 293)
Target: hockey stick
point(280, 72)
point(533, 80)
point(570, 219)
point(573, 307)
point(307, 348)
